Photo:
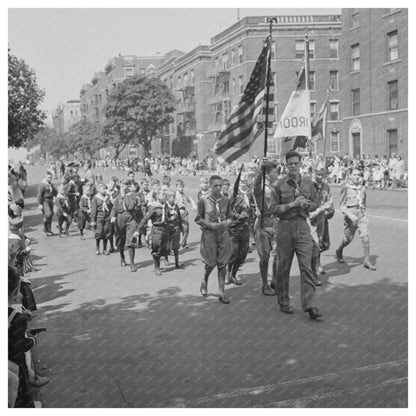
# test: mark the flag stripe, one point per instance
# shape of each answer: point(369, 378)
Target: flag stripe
point(245, 123)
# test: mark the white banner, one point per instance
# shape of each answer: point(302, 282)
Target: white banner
point(295, 120)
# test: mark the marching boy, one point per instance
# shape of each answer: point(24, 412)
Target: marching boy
point(160, 229)
point(174, 220)
point(63, 210)
point(100, 217)
point(214, 218)
point(84, 212)
point(182, 200)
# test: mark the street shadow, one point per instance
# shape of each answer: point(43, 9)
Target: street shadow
point(168, 346)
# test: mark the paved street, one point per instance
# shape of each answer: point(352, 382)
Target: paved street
point(121, 339)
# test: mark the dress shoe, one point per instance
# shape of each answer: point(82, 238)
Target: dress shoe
point(49, 234)
point(370, 266)
point(179, 266)
point(82, 237)
point(236, 281)
point(204, 289)
point(313, 313)
point(286, 309)
point(167, 262)
point(39, 381)
point(122, 262)
point(107, 252)
point(340, 259)
point(222, 298)
point(133, 268)
point(267, 290)
point(317, 281)
point(112, 250)
point(321, 270)
point(97, 252)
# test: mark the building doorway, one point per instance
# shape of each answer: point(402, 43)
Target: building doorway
point(356, 144)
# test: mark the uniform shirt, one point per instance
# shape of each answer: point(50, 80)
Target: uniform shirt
point(100, 207)
point(62, 204)
point(268, 199)
point(210, 211)
point(85, 203)
point(46, 191)
point(173, 215)
point(353, 196)
point(157, 214)
point(286, 190)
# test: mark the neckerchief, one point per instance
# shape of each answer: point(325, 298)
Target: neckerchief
point(64, 198)
point(157, 204)
point(295, 185)
point(103, 199)
point(172, 211)
point(217, 206)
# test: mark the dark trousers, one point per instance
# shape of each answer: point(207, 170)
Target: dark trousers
point(240, 240)
point(47, 215)
point(294, 236)
point(61, 220)
point(160, 242)
point(83, 217)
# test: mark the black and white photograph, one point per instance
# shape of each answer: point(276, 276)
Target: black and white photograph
point(207, 206)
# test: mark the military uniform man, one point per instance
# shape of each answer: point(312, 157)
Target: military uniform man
point(293, 198)
point(265, 231)
point(126, 215)
point(46, 192)
point(353, 206)
point(214, 218)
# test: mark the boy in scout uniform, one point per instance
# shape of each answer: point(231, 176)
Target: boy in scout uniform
point(214, 218)
point(294, 198)
point(353, 206)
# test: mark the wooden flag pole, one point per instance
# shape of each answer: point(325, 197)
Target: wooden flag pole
point(270, 20)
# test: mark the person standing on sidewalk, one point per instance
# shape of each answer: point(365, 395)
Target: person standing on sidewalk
point(46, 192)
point(293, 198)
point(353, 206)
point(214, 218)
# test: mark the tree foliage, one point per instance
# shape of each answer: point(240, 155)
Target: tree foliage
point(137, 111)
point(25, 116)
point(85, 137)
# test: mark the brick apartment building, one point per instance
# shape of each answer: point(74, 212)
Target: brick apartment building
point(66, 115)
point(374, 82)
point(208, 81)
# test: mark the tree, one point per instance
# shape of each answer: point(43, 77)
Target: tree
point(85, 137)
point(25, 116)
point(136, 112)
point(45, 139)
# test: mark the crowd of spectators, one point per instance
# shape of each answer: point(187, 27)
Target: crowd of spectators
point(22, 377)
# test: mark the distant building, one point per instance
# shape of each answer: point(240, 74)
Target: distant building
point(374, 82)
point(66, 115)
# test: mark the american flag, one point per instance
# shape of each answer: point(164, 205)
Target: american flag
point(246, 121)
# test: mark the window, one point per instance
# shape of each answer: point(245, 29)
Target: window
point(273, 51)
point(335, 141)
point(225, 61)
point(178, 84)
point(355, 57)
point(355, 96)
point(233, 85)
point(311, 80)
point(240, 54)
point(226, 87)
point(355, 19)
point(227, 109)
point(392, 141)
point(276, 113)
point(128, 72)
point(334, 111)
point(313, 109)
point(333, 48)
point(240, 84)
point(392, 46)
point(333, 80)
point(185, 79)
point(232, 57)
point(192, 77)
point(299, 49)
point(274, 80)
point(216, 63)
point(311, 49)
point(393, 95)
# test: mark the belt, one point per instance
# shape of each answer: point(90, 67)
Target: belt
point(297, 217)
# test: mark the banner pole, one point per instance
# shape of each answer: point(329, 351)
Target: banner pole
point(270, 20)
